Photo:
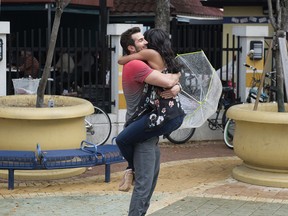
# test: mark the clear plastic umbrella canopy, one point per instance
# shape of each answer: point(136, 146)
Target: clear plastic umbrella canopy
point(201, 88)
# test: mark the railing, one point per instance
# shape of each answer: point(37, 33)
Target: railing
point(87, 73)
point(222, 54)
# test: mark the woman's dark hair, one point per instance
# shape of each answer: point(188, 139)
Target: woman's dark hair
point(126, 38)
point(159, 40)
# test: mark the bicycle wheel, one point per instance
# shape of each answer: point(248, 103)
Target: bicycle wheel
point(181, 135)
point(98, 126)
point(224, 116)
point(229, 133)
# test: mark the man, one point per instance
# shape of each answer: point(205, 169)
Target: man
point(64, 69)
point(146, 154)
point(30, 65)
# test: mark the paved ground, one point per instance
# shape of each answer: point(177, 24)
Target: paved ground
point(208, 189)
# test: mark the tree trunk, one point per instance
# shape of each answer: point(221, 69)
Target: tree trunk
point(279, 78)
point(60, 5)
point(279, 23)
point(162, 15)
point(284, 15)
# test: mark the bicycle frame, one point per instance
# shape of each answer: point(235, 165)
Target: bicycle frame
point(224, 103)
point(253, 92)
point(265, 96)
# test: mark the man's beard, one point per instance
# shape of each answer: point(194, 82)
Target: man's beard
point(138, 49)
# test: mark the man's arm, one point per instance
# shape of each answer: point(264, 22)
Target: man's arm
point(26, 65)
point(162, 80)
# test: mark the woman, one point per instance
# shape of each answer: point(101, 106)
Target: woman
point(152, 118)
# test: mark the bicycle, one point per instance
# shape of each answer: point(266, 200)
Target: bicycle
point(269, 88)
point(227, 100)
point(102, 120)
point(182, 135)
point(268, 94)
point(98, 126)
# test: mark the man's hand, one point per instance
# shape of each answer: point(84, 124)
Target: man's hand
point(170, 93)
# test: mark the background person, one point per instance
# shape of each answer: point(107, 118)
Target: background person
point(87, 69)
point(30, 65)
point(64, 70)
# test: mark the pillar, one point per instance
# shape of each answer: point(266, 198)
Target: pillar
point(4, 30)
point(115, 31)
point(248, 35)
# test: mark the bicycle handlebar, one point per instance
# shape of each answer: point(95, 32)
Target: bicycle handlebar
point(227, 88)
point(249, 66)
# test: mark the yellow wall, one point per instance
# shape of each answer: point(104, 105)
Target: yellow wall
point(122, 101)
point(240, 12)
point(256, 11)
point(243, 11)
point(249, 72)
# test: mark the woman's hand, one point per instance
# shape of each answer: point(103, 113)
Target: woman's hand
point(170, 93)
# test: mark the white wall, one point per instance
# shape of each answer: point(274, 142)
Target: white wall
point(118, 115)
point(4, 30)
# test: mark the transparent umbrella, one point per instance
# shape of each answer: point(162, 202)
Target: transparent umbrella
point(201, 88)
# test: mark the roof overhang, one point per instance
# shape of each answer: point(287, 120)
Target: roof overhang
point(222, 3)
point(198, 19)
point(132, 18)
point(89, 3)
point(44, 7)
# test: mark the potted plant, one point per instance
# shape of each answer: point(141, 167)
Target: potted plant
point(24, 123)
point(261, 134)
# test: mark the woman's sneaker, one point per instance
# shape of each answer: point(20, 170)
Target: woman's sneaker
point(127, 180)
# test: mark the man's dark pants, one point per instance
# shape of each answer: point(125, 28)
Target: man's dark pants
point(147, 166)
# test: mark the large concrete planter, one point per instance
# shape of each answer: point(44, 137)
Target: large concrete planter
point(261, 141)
point(22, 125)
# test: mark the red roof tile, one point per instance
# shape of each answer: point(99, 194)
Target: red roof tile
point(194, 7)
point(179, 7)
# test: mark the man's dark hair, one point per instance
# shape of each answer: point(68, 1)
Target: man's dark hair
point(126, 38)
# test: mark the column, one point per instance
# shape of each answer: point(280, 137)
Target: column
point(115, 31)
point(4, 30)
point(250, 38)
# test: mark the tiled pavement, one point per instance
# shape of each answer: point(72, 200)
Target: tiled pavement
point(222, 207)
point(210, 191)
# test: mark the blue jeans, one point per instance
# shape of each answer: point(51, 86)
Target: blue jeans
point(135, 133)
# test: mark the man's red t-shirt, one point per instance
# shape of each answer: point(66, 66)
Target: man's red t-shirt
point(133, 76)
